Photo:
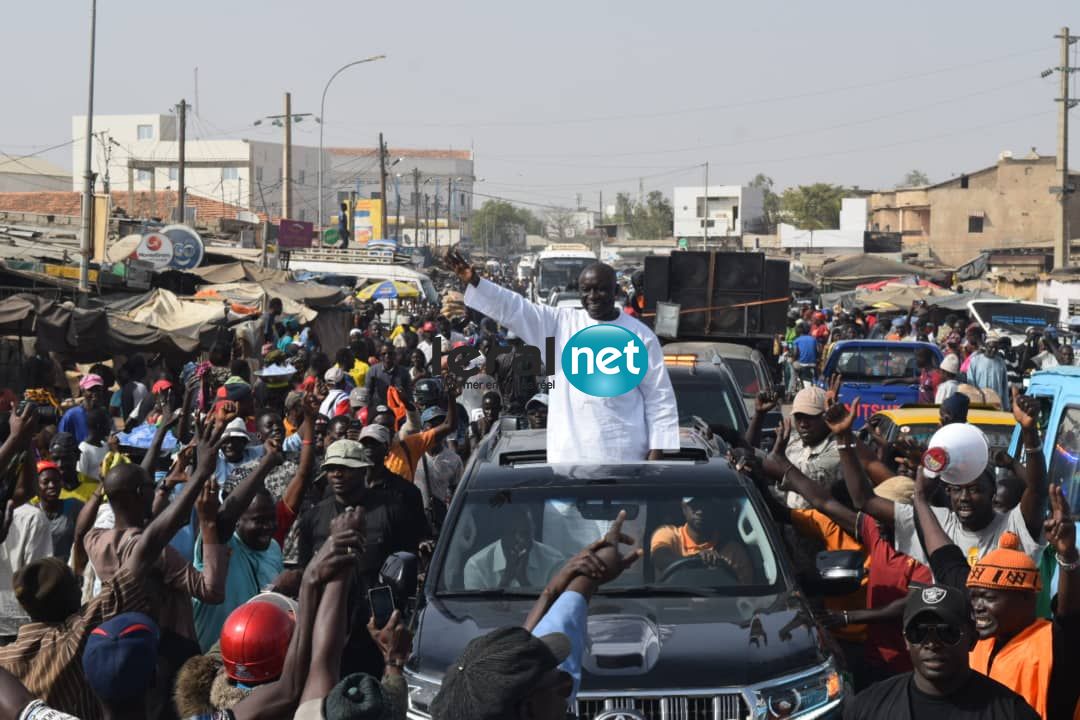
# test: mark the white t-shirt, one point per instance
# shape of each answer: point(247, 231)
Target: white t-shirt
point(973, 544)
point(28, 540)
point(90, 459)
point(946, 390)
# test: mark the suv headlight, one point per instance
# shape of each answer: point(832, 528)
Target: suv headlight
point(422, 692)
point(805, 696)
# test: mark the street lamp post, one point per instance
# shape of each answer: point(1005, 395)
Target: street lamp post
point(322, 123)
point(86, 242)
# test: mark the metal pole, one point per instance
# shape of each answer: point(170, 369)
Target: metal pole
point(382, 187)
point(322, 121)
point(416, 206)
point(705, 210)
point(180, 169)
point(88, 175)
point(286, 161)
point(1062, 239)
point(449, 211)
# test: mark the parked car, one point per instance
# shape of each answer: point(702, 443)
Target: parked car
point(751, 372)
point(707, 390)
point(922, 421)
point(882, 373)
point(678, 641)
point(1058, 391)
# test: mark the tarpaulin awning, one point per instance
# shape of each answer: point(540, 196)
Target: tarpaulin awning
point(854, 270)
point(960, 301)
point(240, 271)
point(257, 295)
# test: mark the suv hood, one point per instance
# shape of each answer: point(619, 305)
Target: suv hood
point(650, 643)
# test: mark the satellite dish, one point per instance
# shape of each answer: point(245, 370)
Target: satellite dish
point(187, 247)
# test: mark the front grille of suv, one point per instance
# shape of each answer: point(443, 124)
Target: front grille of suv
point(712, 707)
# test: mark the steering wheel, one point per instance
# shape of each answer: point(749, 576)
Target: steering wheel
point(694, 562)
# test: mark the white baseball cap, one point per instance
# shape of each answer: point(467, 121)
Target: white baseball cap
point(951, 364)
point(958, 454)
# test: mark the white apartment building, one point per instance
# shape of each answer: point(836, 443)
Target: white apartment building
point(248, 173)
point(727, 210)
point(142, 154)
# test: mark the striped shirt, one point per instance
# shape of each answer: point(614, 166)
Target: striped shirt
point(47, 657)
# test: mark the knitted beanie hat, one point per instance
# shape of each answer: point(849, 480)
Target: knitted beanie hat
point(1007, 568)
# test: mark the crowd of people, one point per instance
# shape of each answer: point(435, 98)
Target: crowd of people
point(187, 539)
point(977, 363)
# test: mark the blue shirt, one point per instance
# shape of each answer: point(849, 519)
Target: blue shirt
point(569, 615)
point(807, 349)
point(74, 422)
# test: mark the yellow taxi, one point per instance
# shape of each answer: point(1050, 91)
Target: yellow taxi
point(922, 421)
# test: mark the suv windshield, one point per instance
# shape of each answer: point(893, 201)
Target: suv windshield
point(874, 364)
point(708, 540)
point(746, 375)
point(1014, 317)
point(561, 272)
point(707, 397)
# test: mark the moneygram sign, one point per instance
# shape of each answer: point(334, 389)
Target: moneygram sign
point(601, 360)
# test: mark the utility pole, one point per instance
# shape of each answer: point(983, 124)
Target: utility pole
point(180, 189)
point(397, 211)
point(382, 184)
point(416, 206)
point(286, 161)
point(88, 172)
point(436, 214)
point(449, 211)
point(705, 209)
point(1062, 232)
point(601, 206)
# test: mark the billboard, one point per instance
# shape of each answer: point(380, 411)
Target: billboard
point(295, 234)
point(367, 221)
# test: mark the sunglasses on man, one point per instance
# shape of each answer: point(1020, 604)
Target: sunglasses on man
point(919, 633)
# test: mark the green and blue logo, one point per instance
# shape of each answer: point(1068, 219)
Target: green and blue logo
point(605, 360)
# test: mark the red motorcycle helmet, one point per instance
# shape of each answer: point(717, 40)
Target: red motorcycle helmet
point(254, 642)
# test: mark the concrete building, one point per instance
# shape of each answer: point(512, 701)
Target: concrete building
point(424, 183)
point(31, 174)
point(142, 153)
point(851, 234)
point(730, 211)
point(1006, 205)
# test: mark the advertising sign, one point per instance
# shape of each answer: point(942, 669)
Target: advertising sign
point(155, 248)
point(295, 234)
point(187, 247)
point(367, 219)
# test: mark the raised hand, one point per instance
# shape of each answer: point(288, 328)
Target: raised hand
point(1059, 527)
point(272, 454)
point(209, 442)
point(606, 551)
point(209, 502)
point(24, 425)
point(393, 639)
point(460, 267)
point(925, 486)
point(776, 463)
point(1025, 409)
point(832, 394)
point(839, 418)
point(765, 401)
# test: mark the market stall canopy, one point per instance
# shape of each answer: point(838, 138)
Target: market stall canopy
point(959, 301)
point(256, 297)
point(84, 334)
point(849, 272)
point(899, 295)
point(388, 290)
point(190, 320)
point(240, 271)
point(799, 282)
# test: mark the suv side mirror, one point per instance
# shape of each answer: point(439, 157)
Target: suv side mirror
point(400, 573)
point(839, 572)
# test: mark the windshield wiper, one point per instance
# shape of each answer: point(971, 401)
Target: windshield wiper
point(659, 591)
point(488, 593)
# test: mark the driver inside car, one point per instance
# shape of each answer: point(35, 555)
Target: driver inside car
point(706, 535)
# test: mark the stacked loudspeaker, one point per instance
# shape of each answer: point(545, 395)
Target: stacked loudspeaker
point(738, 279)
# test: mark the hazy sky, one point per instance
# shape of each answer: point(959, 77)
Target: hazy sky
point(566, 98)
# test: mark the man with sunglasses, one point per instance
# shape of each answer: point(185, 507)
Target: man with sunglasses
point(1035, 657)
point(939, 634)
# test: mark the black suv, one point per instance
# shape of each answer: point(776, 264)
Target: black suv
point(666, 640)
